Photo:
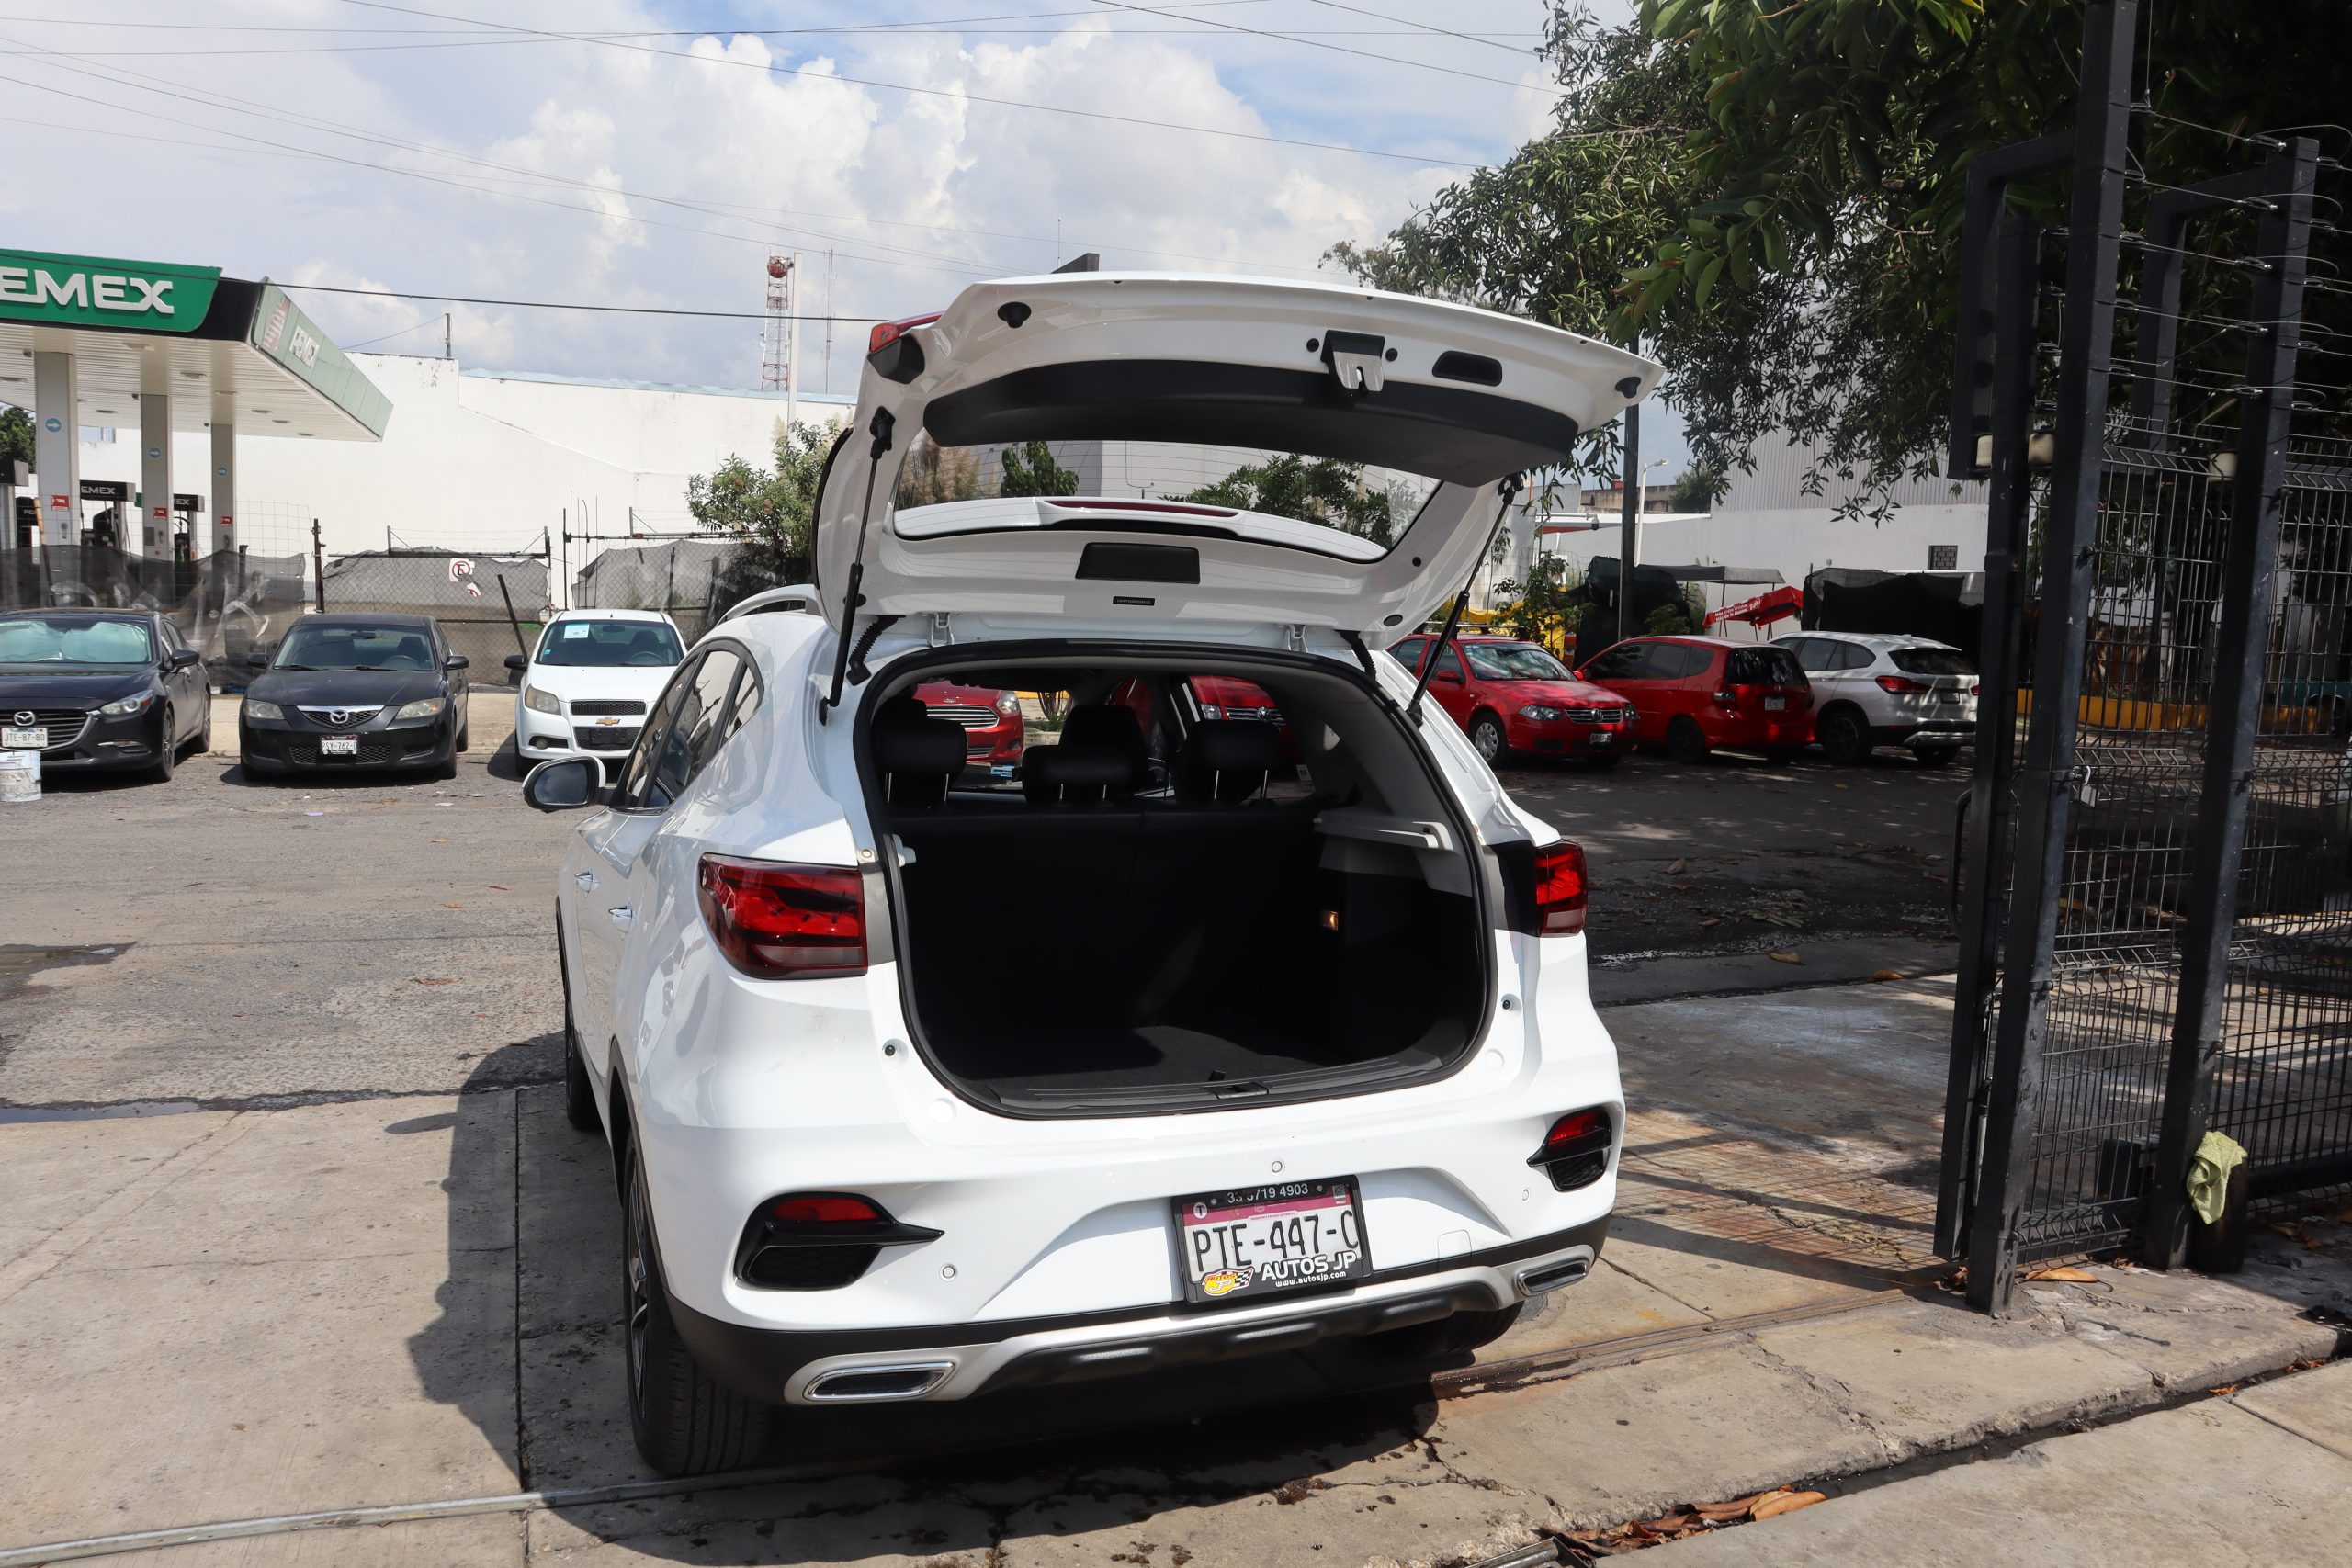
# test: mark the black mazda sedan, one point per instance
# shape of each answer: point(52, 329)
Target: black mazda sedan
point(355, 692)
point(101, 689)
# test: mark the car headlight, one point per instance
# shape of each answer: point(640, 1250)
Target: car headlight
point(1211, 712)
point(541, 702)
point(423, 707)
point(139, 703)
point(256, 708)
point(1008, 703)
point(1539, 712)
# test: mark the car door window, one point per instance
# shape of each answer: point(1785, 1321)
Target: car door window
point(1854, 655)
point(1408, 652)
point(1449, 662)
point(1811, 652)
point(702, 717)
point(1623, 662)
point(637, 791)
point(748, 690)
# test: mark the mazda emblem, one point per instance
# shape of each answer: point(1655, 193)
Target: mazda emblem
point(338, 716)
point(26, 715)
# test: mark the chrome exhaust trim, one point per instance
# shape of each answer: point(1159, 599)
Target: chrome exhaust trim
point(875, 1383)
point(1555, 1275)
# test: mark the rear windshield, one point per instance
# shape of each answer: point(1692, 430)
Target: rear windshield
point(609, 645)
point(1764, 667)
point(1356, 499)
point(1931, 661)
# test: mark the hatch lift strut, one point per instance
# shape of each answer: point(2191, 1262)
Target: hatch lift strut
point(883, 425)
point(1504, 493)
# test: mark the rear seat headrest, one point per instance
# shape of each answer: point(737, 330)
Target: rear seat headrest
point(1076, 772)
point(1227, 760)
point(1109, 726)
point(917, 755)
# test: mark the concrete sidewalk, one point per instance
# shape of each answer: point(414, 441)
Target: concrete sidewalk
point(2262, 1476)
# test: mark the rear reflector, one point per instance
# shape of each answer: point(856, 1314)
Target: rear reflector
point(778, 921)
point(1575, 1153)
point(1559, 888)
point(818, 1241)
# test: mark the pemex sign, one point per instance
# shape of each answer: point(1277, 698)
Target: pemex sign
point(97, 291)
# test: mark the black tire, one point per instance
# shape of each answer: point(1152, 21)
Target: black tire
point(579, 1094)
point(1686, 740)
point(683, 1421)
point(465, 737)
point(1604, 762)
point(447, 769)
point(1844, 739)
point(1487, 739)
point(1935, 756)
point(1449, 1338)
point(204, 736)
point(167, 751)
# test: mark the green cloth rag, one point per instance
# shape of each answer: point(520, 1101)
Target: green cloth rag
point(2209, 1174)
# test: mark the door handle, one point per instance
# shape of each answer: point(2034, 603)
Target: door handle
point(586, 879)
point(621, 917)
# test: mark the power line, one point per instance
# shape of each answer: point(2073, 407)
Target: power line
point(562, 305)
point(1424, 27)
point(1105, 116)
point(1341, 49)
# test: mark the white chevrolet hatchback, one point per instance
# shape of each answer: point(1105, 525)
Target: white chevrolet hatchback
point(587, 684)
point(1200, 1038)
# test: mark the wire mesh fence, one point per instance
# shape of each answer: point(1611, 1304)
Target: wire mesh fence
point(225, 605)
point(489, 607)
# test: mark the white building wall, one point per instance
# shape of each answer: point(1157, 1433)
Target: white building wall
point(482, 461)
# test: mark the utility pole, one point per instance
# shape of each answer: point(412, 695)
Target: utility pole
point(1630, 524)
point(826, 375)
point(318, 566)
point(445, 336)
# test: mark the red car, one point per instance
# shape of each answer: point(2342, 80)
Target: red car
point(994, 732)
point(1514, 697)
point(1695, 694)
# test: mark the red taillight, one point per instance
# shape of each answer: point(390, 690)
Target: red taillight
point(1901, 683)
point(1559, 889)
point(1575, 1153)
point(823, 1209)
point(888, 333)
point(774, 920)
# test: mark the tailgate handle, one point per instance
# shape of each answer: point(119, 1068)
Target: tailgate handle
point(1358, 359)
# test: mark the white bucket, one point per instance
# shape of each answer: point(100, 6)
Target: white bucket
point(19, 777)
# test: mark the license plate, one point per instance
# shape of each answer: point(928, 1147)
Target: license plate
point(1601, 738)
point(1775, 705)
point(339, 746)
point(14, 738)
point(1262, 1241)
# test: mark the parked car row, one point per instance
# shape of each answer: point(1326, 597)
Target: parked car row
point(1848, 692)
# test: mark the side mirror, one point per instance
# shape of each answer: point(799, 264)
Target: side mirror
point(518, 663)
point(256, 661)
point(458, 661)
point(184, 657)
point(1450, 677)
point(566, 784)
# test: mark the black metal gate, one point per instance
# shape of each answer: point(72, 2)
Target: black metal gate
point(2157, 937)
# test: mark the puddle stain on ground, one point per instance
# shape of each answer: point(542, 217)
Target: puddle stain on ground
point(19, 961)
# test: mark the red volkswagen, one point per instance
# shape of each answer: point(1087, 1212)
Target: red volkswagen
point(1695, 694)
point(1510, 696)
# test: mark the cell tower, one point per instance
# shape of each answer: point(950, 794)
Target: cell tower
point(775, 343)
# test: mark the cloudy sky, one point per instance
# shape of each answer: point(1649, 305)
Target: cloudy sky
point(655, 151)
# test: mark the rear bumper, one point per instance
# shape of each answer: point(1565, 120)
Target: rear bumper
point(965, 1359)
point(1563, 737)
point(1926, 732)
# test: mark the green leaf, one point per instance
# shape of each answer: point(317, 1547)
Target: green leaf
point(1706, 283)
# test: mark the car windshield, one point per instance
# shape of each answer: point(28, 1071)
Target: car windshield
point(609, 645)
point(1371, 503)
point(73, 639)
point(1931, 661)
point(355, 648)
point(1514, 661)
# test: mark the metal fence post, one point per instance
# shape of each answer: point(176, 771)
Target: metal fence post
point(2094, 222)
point(2248, 582)
point(2006, 500)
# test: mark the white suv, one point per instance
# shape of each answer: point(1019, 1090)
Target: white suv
point(1201, 1039)
point(1871, 690)
point(588, 683)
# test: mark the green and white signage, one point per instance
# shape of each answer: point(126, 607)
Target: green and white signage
point(97, 291)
